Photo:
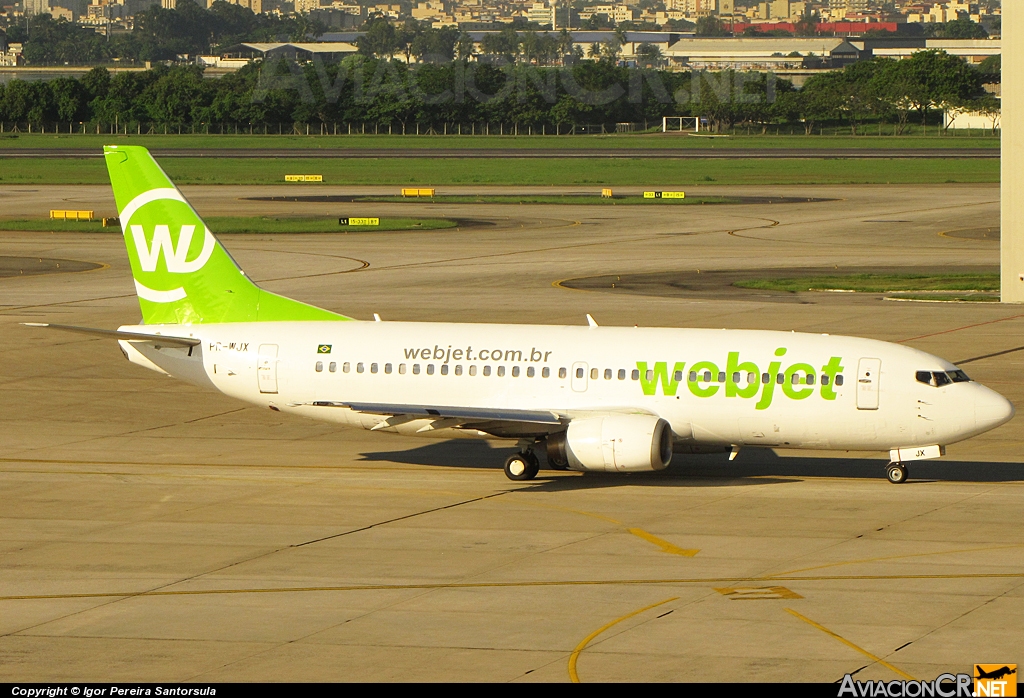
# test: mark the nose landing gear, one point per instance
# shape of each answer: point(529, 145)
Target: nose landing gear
point(896, 473)
point(522, 466)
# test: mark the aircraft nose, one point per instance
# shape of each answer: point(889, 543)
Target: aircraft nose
point(991, 409)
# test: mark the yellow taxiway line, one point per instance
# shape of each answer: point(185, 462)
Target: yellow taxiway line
point(852, 646)
point(663, 544)
point(573, 676)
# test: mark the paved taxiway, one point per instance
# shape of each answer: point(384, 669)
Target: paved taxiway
point(152, 531)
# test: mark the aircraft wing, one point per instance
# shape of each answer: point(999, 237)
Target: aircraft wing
point(502, 422)
point(464, 414)
point(121, 334)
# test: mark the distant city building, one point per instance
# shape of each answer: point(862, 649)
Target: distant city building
point(691, 7)
point(36, 7)
point(10, 57)
point(781, 9)
point(616, 13)
point(541, 14)
point(254, 5)
point(392, 11)
point(305, 6)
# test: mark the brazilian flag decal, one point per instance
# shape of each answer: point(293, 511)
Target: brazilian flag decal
point(323, 349)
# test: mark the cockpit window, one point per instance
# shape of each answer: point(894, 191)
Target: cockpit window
point(937, 379)
point(959, 376)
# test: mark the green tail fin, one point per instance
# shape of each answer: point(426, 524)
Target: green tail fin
point(182, 273)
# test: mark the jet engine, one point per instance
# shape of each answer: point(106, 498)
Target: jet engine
point(616, 443)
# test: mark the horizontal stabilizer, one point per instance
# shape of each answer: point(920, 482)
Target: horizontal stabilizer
point(121, 334)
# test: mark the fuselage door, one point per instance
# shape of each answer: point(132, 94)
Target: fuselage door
point(579, 376)
point(266, 368)
point(868, 373)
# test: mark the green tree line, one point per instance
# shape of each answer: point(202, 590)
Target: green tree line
point(364, 89)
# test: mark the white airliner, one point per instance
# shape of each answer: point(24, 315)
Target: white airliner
point(592, 398)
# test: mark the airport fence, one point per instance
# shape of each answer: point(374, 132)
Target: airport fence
point(396, 128)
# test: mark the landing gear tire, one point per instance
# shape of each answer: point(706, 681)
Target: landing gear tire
point(896, 473)
point(522, 466)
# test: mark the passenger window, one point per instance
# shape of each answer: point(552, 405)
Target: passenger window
point(635, 375)
point(359, 367)
point(677, 376)
point(545, 372)
point(458, 369)
point(721, 376)
point(530, 372)
point(650, 374)
point(924, 377)
point(387, 368)
point(346, 367)
point(561, 373)
point(779, 378)
point(607, 374)
point(319, 366)
point(444, 369)
point(501, 371)
point(430, 369)
point(472, 370)
point(622, 374)
point(401, 369)
point(579, 372)
point(693, 376)
point(707, 376)
point(810, 379)
point(795, 379)
point(373, 368)
point(839, 379)
point(736, 377)
point(824, 380)
point(332, 367)
point(751, 378)
point(593, 374)
point(766, 378)
point(416, 369)
point(487, 370)
point(515, 371)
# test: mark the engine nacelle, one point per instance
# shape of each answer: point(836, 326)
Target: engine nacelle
point(616, 443)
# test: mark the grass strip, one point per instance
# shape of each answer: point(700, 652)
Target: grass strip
point(879, 283)
point(654, 141)
point(229, 225)
point(428, 172)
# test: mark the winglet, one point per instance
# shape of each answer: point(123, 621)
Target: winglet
point(591, 321)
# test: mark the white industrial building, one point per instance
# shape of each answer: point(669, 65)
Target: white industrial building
point(758, 53)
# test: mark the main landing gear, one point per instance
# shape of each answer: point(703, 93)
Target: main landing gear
point(896, 473)
point(522, 466)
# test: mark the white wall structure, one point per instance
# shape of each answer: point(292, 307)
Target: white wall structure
point(1012, 177)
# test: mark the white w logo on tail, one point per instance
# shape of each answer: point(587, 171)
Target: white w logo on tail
point(175, 257)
